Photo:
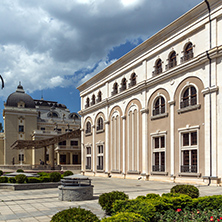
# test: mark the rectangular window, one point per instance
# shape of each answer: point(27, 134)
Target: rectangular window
point(21, 157)
point(88, 158)
point(88, 150)
point(63, 143)
point(100, 157)
point(189, 152)
point(21, 128)
point(43, 128)
point(74, 142)
point(159, 147)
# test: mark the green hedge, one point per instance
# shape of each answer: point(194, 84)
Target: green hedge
point(125, 217)
point(1, 172)
point(107, 200)
point(67, 173)
point(21, 178)
point(3, 179)
point(20, 171)
point(209, 202)
point(55, 177)
point(33, 180)
point(11, 180)
point(45, 179)
point(75, 215)
point(189, 190)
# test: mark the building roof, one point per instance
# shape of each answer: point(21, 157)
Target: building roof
point(20, 96)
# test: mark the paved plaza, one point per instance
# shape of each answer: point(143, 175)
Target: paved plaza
point(41, 205)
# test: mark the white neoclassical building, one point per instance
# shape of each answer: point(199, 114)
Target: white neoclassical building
point(156, 112)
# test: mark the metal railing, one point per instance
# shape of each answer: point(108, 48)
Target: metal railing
point(99, 167)
point(186, 57)
point(188, 168)
point(171, 64)
point(188, 102)
point(157, 71)
point(159, 111)
point(158, 168)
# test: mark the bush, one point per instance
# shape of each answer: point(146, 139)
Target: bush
point(75, 215)
point(124, 217)
point(41, 174)
point(3, 179)
point(106, 200)
point(67, 173)
point(45, 179)
point(55, 177)
point(152, 196)
point(189, 190)
point(20, 171)
point(11, 180)
point(21, 178)
point(145, 208)
point(209, 202)
point(1, 172)
point(33, 180)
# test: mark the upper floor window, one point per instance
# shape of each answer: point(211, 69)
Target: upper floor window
point(63, 143)
point(189, 97)
point(188, 52)
point(100, 124)
point(74, 143)
point(87, 102)
point(132, 80)
point(88, 127)
point(123, 85)
point(99, 99)
point(21, 128)
point(158, 67)
point(172, 60)
point(159, 106)
point(93, 100)
point(53, 114)
point(115, 89)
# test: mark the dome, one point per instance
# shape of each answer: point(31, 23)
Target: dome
point(20, 96)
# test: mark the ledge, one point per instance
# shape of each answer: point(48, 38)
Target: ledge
point(189, 174)
point(100, 131)
point(188, 108)
point(88, 134)
point(159, 173)
point(116, 171)
point(159, 116)
point(100, 171)
point(29, 186)
point(133, 172)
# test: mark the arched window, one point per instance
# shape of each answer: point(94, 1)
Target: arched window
point(88, 127)
point(93, 100)
point(132, 80)
point(159, 106)
point(115, 89)
point(172, 60)
point(99, 98)
point(158, 67)
point(189, 97)
point(87, 102)
point(188, 52)
point(52, 114)
point(99, 124)
point(123, 83)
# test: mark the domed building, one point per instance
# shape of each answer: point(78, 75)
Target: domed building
point(29, 119)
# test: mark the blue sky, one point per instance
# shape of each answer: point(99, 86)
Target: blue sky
point(54, 46)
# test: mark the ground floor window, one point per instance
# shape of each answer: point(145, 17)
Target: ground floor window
point(100, 157)
point(159, 147)
point(62, 159)
point(189, 152)
point(21, 157)
point(75, 159)
point(88, 158)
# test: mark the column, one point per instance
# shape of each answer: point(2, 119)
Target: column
point(58, 158)
point(93, 151)
point(107, 147)
point(70, 158)
point(83, 157)
point(172, 103)
point(124, 145)
point(144, 113)
point(51, 156)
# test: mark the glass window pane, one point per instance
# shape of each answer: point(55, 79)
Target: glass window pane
point(162, 138)
point(193, 157)
point(156, 142)
point(157, 159)
point(186, 139)
point(194, 138)
point(186, 157)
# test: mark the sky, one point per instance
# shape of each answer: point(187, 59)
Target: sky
point(53, 46)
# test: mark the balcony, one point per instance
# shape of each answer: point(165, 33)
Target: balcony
point(132, 83)
point(159, 111)
point(157, 71)
point(188, 168)
point(186, 57)
point(158, 168)
point(188, 102)
point(171, 64)
point(88, 167)
point(99, 167)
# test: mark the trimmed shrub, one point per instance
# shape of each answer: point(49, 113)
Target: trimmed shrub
point(3, 179)
point(55, 177)
point(124, 216)
point(152, 196)
point(189, 190)
point(106, 200)
point(45, 179)
point(33, 180)
point(43, 174)
point(11, 180)
point(145, 208)
point(209, 202)
point(1, 172)
point(67, 173)
point(20, 171)
point(21, 178)
point(75, 215)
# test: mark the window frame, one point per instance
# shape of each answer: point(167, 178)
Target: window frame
point(88, 157)
point(100, 124)
point(100, 157)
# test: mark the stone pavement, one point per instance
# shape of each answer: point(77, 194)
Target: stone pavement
point(41, 205)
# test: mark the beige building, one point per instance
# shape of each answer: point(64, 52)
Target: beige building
point(29, 119)
point(155, 113)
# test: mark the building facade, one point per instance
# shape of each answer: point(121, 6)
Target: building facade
point(29, 119)
point(155, 112)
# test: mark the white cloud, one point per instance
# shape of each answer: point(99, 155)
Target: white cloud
point(43, 43)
